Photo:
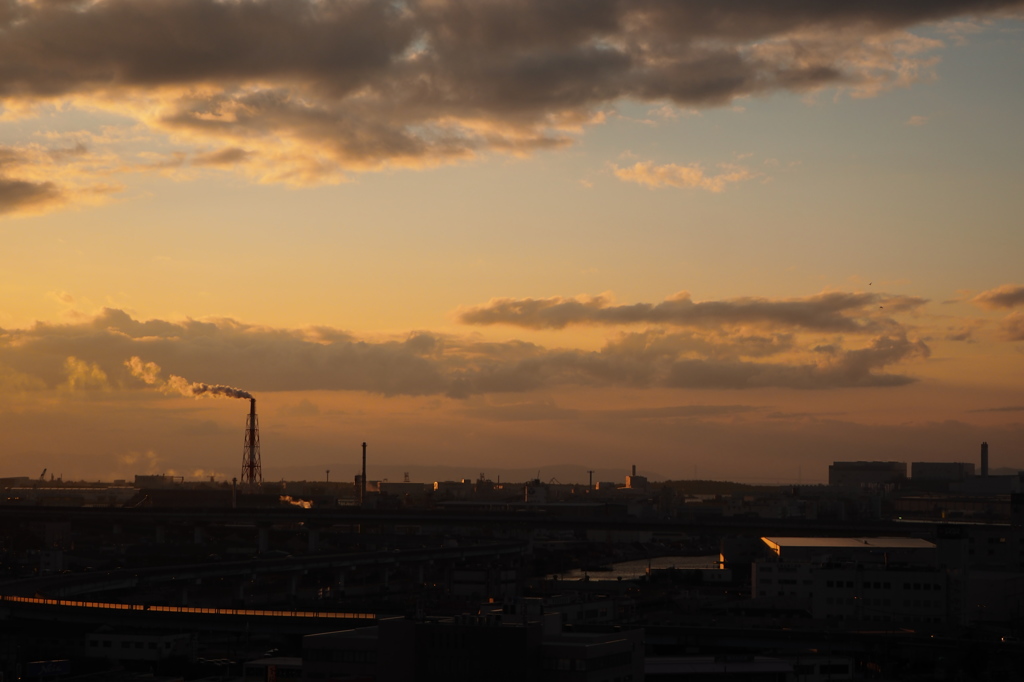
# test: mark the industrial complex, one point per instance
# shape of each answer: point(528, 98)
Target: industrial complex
point(877, 575)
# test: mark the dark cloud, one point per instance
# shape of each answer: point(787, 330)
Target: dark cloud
point(360, 83)
point(832, 312)
point(223, 352)
point(223, 157)
point(1006, 296)
point(1013, 327)
point(128, 353)
point(653, 344)
point(35, 178)
point(19, 195)
point(653, 360)
point(1002, 297)
point(70, 47)
point(846, 369)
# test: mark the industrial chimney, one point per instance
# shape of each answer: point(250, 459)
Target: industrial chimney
point(362, 480)
point(984, 459)
point(252, 469)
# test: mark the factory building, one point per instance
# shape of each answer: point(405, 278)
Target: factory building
point(941, 471)
point(884, 580)
point(867, 475)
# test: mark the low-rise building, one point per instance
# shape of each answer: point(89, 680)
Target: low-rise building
point(884, 580)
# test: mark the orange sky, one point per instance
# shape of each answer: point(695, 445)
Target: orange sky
point(732, 241)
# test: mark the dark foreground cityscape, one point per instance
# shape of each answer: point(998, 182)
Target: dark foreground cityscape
point(892, 571)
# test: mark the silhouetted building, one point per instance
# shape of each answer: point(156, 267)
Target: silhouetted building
point(941, 471)
point(884, 475)
point(882, 580)
point(512, 647)
point(635, 482)
point(993, 485)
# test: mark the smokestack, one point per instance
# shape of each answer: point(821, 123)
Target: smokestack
point(634, 470)
point(362, 479)
point(984, 459)
point(252, 423)
point(252, 469)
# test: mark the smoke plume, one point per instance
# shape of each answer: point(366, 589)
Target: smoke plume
point(149, 372)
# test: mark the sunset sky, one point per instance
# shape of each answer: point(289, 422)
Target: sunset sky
point(730, 239)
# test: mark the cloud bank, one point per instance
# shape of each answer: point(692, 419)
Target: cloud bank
point(831, 312)
point(105, 352)
point(305, 91)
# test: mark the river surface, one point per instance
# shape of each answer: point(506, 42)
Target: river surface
point(630, 570)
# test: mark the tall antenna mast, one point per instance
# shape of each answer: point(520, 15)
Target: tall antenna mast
point(252, 469)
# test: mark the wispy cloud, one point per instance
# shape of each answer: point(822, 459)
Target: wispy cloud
point(1012, 327)
point(38, 178)
point(1005, 296)
point(691, 176)
point(224, 157)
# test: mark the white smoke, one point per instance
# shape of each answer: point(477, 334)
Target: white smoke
point(149, 372)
